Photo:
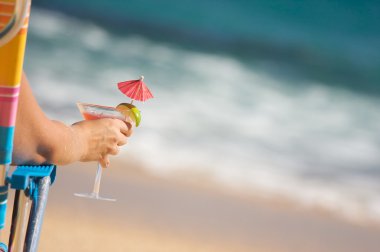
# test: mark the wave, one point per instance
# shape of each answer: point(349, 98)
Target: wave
point(335, 43)
point(217, 116)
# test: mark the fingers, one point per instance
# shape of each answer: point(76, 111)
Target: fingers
point(114, 150)
point(126, 128)
point(128, 131)
point(104, 138)
point(121, 131)
point(104, 161)
point(121, 140)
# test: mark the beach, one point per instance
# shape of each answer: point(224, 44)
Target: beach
point(285, 129)
point(161, 214)
point(263, 134)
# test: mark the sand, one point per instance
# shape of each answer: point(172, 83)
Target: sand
point(159, 214)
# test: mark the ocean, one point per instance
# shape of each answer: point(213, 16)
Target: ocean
point(279, 98)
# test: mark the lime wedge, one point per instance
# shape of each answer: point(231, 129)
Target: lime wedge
point(131, 111)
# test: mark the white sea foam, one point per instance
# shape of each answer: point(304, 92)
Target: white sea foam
point(214, 115)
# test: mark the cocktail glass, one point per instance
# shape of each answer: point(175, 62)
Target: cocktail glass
point(93, 112)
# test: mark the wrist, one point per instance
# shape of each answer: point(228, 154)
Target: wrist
point(80, 143)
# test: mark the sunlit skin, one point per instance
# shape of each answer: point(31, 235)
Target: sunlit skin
point(39, 139)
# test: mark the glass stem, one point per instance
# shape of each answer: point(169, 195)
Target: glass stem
point(98, 177)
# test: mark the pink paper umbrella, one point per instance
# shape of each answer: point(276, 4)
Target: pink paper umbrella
point(135, 89)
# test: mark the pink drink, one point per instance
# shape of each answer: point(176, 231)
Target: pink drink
point(93, 112)
point(88, 116)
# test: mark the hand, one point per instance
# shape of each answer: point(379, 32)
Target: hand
point(101, 138)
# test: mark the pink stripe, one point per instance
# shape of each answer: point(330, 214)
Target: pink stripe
point(8, 99)
point(11, 91)
point(8, 110)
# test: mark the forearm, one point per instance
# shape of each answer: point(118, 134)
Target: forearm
point(41, 140)
point(60, 144)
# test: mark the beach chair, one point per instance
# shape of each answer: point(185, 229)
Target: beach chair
point(31, 183)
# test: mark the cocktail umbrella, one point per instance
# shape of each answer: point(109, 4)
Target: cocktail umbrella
point(135, 89)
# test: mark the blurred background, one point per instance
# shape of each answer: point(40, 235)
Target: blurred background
point(278, 100)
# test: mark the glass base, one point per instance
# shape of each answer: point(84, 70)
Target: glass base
point(93, 196)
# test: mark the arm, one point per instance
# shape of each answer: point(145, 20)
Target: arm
point(41, 140)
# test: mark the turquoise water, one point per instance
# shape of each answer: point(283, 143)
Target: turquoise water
point(279, 120)
point(331, 41)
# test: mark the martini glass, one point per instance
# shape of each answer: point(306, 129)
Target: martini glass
point(93, 112)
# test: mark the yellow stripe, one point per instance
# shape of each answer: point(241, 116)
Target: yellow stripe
point(11, 60)
point(8, 1)
point(12, 53)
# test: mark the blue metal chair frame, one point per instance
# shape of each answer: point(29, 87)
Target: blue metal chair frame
point(32, 184)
